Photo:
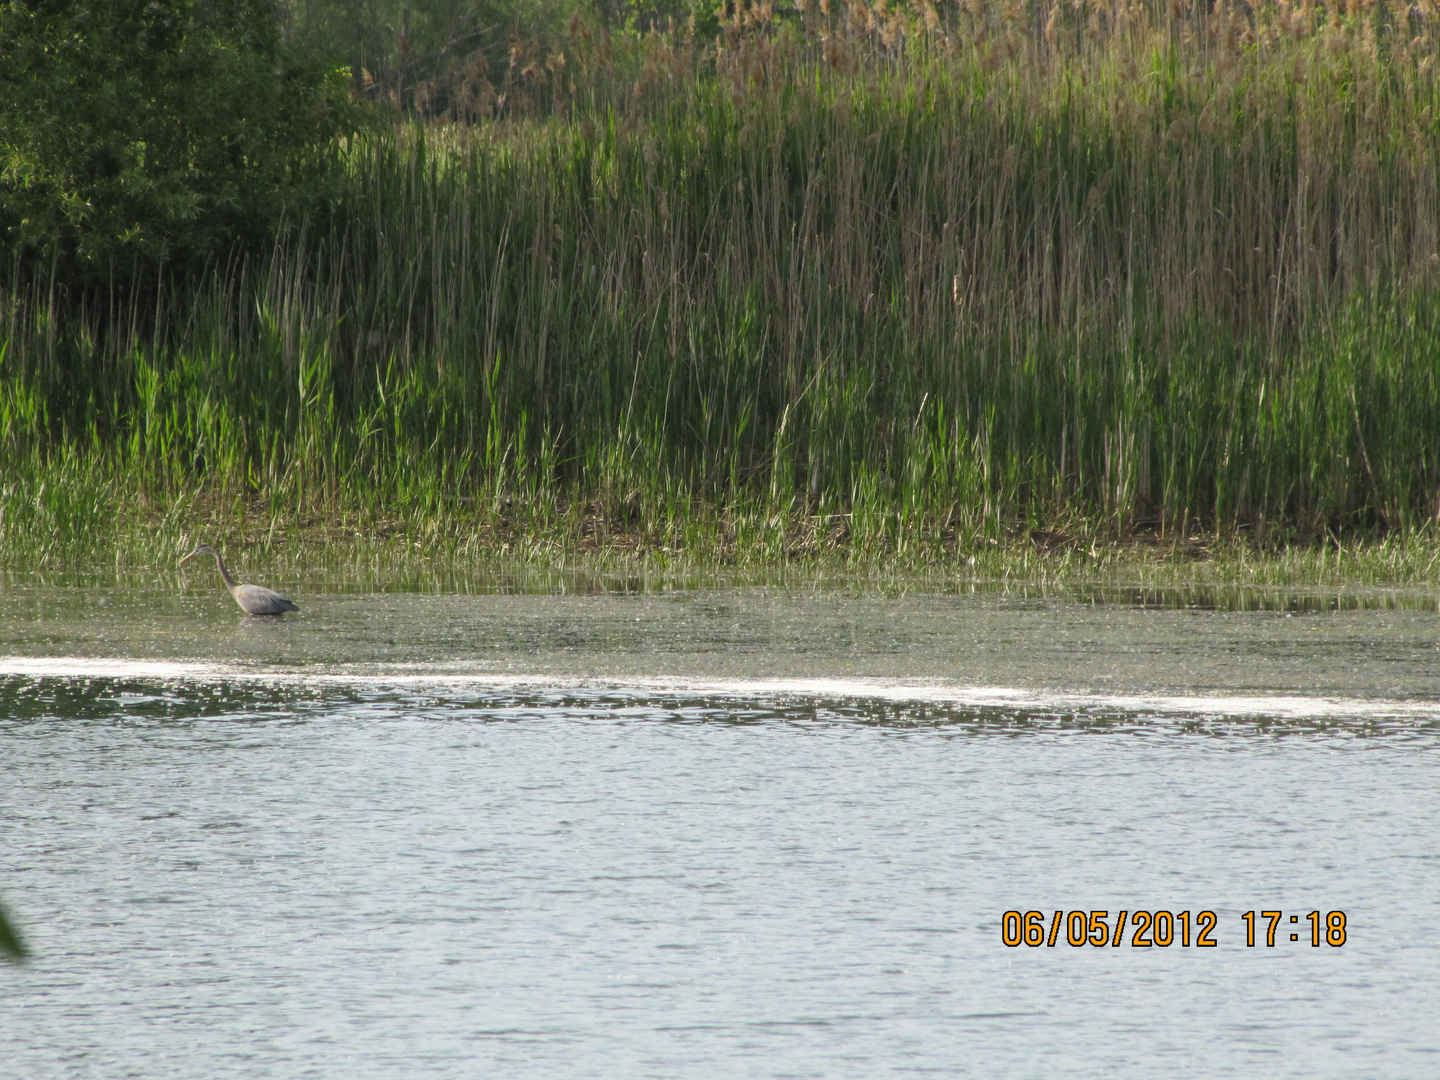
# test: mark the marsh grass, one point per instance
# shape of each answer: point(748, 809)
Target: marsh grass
point(910, 285)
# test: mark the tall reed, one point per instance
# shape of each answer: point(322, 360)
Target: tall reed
point(866, 275)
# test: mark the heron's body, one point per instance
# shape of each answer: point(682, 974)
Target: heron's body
point(258, 600)
point(253, 599)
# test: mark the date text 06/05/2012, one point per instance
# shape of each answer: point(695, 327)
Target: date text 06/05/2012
point(1161, 929)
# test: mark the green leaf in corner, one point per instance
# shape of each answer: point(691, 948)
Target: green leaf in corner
point(11, 945)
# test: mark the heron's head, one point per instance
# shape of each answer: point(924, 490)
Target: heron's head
point(200, 549)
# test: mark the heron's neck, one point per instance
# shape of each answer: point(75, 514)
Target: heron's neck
point(224, 574)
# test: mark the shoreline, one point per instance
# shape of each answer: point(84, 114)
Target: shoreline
point(430, 552)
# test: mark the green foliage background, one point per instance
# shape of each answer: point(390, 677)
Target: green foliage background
point(900, 282)
point(141, 133)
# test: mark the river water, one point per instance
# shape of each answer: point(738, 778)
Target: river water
point(608, 831)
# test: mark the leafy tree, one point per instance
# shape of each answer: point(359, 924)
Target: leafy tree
point(140, 133)
point(405, 52)
point(416, 56)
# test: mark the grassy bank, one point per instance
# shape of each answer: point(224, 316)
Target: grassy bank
point(908, 285)
point(579, 554)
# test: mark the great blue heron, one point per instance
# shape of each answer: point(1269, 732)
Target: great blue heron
point(255, 599)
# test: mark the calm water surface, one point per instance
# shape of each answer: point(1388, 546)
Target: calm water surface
point(733, 833)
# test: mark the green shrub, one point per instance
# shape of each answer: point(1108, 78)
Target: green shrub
point(142, 133)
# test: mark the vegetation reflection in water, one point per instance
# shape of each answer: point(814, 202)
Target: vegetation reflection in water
point(159, 705)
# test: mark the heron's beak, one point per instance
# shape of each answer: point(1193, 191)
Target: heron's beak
point(187, 558)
